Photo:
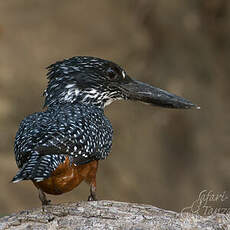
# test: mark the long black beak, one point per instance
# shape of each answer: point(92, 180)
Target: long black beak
point(136, 90)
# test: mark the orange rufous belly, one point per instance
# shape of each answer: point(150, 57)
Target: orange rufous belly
point(68, 176)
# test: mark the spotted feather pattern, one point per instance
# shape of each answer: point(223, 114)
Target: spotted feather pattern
point(83, 80)
point(44, 139)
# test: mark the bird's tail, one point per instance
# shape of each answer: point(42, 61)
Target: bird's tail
point(19, 176)
point(27, 172)
point(38, 168)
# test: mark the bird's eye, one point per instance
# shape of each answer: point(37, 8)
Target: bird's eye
point(112, 73)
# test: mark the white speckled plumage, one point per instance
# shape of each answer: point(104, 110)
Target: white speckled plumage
point(74, 123)
point(81, 132)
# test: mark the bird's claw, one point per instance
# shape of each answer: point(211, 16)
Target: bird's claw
point(92, 198)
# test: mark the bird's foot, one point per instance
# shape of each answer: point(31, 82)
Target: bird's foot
point(92, 197)
point(43, 199)
point(46, 202)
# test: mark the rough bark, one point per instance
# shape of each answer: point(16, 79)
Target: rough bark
point(110, 215)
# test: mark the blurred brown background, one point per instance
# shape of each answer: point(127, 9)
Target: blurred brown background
point(162, 157)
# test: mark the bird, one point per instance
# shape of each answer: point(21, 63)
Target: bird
point(61, 146)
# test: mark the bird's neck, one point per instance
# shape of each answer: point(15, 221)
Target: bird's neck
point(75, 107)
point(73, 96)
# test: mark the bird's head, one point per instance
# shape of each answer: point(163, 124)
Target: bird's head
point(90, 80)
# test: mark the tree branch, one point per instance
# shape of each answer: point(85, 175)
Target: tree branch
point(110, 215)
